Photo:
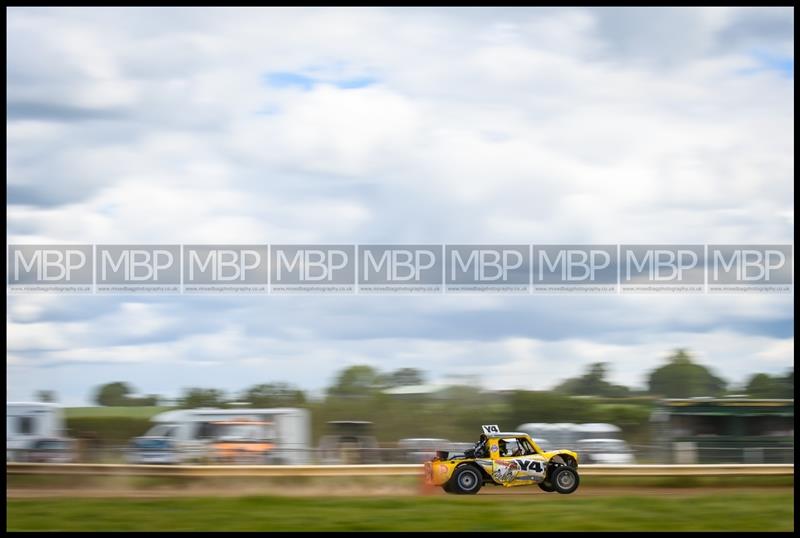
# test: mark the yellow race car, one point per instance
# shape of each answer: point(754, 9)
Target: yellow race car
point(503, 459)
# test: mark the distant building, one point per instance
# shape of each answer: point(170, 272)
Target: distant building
point(722, 430)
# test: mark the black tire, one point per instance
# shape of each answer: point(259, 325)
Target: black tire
point(446, 487)
point(547, 486)
point(565, 479)
point(466, 480)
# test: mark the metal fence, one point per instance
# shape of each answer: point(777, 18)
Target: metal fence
point(639, 454)
point(689, 453)
point(198, 471)
point(116, 454)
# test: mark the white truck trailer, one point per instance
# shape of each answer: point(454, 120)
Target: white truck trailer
point(185, 435)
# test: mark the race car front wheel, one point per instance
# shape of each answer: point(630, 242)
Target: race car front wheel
point(466, 480)
point(565, 479)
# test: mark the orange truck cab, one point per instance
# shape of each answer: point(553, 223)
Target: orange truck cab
point(241, 441)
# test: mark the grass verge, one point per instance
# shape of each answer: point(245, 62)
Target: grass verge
point(739, 511)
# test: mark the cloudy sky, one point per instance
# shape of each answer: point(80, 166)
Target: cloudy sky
point(394, 126)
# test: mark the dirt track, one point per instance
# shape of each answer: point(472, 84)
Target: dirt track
point(354, 491)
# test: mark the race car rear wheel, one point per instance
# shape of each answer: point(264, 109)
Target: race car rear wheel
point(547, 486)
point(466, 480)
point(565, 479)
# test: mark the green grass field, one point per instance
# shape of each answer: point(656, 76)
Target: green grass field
point(718, 511)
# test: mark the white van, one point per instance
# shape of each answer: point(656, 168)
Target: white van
point(28, 423)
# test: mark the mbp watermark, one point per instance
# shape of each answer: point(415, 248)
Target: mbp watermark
point(750, 269)
point(400, 269)
point(575, 269)
point(50, 268)
point(233, 269)
point(662, 268)
point(138, 269)
point(312, 269)
point(487, 268)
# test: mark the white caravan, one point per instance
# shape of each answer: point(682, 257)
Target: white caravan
point(605, 451)
point(596, 442)
point(29, 422)
point(185, 435)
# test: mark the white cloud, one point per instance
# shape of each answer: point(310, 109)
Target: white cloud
point(548, 125)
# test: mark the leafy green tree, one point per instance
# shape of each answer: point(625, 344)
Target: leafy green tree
point(766, 386)
point(274, 395)
point(593, 383)
point(113, 394)
point(405, 377)
point(357, 382)
point(200, 397)
point(464, 395)
point(546, 406)
point(149, 400)
point(682, 378)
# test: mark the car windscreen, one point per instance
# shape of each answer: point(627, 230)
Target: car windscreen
point(152, 444)
point(162, 430)
point(51, 445)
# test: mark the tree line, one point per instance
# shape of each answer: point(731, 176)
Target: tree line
point(679, 377)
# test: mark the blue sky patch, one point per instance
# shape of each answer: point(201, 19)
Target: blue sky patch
point(353, 83)
point(772, 61)
point(288, 79)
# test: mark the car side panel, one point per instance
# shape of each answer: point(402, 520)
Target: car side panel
point(519, 470)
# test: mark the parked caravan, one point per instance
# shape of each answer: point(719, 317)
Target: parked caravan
point(31, 425)
point(597, 442)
